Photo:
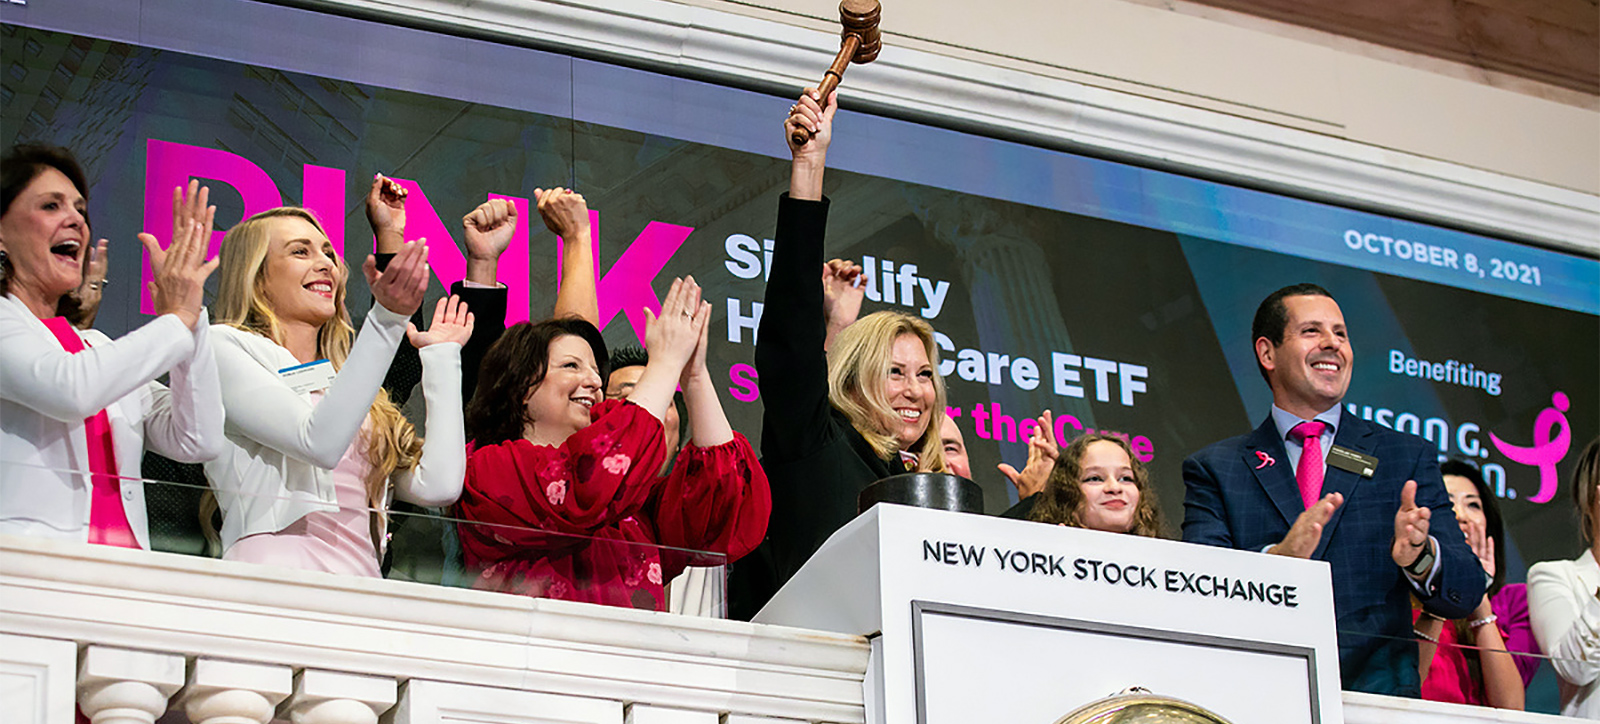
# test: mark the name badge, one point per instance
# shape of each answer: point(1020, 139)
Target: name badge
point(1355, 462)
point(309, 377)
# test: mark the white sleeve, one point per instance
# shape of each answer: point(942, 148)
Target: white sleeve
point(69, 387)
point(436, 480)
point(261, 407)
point(185, 423)
point(1566, 625)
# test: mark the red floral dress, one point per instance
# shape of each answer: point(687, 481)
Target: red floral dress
point(590, 520)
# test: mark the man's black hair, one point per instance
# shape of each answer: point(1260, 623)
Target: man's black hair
point(1272, 317)
point(628, 355)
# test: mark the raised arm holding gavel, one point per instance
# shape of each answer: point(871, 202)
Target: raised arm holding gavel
point(859, 43)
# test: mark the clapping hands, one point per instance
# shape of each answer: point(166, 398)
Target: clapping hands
point(677, 335)
point(181, 268)
point(399, 288)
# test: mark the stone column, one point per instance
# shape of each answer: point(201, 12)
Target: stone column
point(331, 697)
point(232, 692)
point(123, 686)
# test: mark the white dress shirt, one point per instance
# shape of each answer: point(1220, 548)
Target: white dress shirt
point(46, 392)
point(281, 448)
point(1566, 621)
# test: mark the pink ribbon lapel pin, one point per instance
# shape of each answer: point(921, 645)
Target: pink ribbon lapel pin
point(1266, 460)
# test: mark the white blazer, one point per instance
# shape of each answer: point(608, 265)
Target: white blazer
point(46, 392)
point(277, 461)
point(1566, 621)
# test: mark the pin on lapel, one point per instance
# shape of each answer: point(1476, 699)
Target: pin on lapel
point(1266, 460)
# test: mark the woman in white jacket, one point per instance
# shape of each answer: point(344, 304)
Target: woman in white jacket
point(315, 450)
point(76, 407)
point(1564, 600)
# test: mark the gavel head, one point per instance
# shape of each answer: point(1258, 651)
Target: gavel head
point(860, 18)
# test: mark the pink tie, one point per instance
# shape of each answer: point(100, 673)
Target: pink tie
point(1309, 472)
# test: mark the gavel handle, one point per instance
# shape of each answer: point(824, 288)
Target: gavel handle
point(830, 81)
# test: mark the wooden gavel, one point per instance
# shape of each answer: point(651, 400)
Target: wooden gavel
point(860, 43)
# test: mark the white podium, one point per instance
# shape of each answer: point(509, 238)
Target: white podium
point(978, 619)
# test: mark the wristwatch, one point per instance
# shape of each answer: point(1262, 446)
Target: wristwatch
point(1424, 562)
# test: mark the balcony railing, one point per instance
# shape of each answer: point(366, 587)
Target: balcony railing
point(131, 636)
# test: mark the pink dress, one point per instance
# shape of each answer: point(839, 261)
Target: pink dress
point(338, 541)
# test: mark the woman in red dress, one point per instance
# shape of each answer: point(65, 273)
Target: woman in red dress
point(562, 496)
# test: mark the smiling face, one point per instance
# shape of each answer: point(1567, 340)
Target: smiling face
point(559, 405)
point(1310, 371)
point(1465, 500)
point(45, 234)
point(909, 389)
point(301, 274)
point(1110, 493)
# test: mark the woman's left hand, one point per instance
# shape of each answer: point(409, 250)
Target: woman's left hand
point(1042, 454)
point(451, 323)
point(1481, 544)
point(695, 370)
point(674, 336)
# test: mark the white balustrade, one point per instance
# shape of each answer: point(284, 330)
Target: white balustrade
point(234, 692)
point(232, 643)
point(330, 697)
point(125, 686)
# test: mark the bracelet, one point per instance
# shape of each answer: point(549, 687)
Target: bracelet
point(1424, 636)
point(1491, 618)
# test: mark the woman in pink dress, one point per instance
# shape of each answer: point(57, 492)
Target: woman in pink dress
point(315, 450)
point(1489, 657)
point(562, 489)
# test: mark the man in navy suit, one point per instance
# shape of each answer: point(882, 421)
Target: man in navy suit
point(1314, 482)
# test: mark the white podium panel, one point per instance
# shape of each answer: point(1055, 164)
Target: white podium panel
point(986, 619)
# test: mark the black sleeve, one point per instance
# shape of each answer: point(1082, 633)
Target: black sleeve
point(790, 361)
point(405, 371)
point(488, 308)
point(1022, 509)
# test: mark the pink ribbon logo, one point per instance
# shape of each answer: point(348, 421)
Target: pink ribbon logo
point(1266, 460)
point(1548, 448)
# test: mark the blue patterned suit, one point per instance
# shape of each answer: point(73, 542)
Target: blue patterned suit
point(1235, 500)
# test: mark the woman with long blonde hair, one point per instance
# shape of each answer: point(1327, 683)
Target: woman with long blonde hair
point(870, 407)
point(315, 449)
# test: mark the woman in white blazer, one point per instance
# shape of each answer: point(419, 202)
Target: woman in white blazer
point(1564, 600)
point(315, 450)
point(76, 407)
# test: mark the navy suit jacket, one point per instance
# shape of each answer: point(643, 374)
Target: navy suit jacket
point(1233, 500)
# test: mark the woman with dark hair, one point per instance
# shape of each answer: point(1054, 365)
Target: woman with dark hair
point(76, 407)
point(1098, 484)
point(1471, 661)
point(1564, 597)
point(562, 491)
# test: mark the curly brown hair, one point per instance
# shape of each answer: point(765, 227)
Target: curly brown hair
point(1062, 500)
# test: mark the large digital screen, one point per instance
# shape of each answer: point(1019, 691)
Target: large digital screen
point(1117, 296)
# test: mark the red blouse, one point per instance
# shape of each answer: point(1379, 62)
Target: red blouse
point(590, 520)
